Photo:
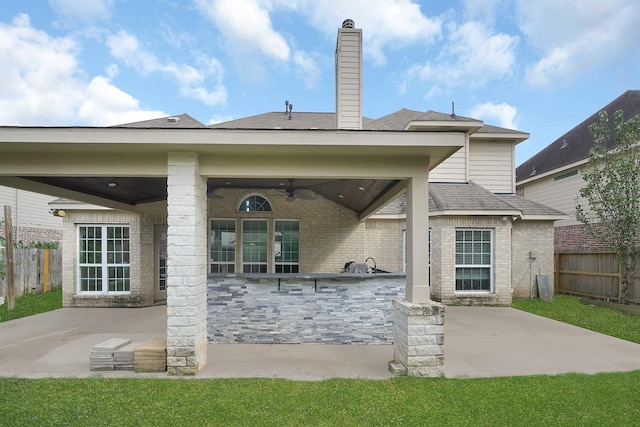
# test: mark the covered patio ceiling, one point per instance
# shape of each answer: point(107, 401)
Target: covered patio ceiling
point(354, 194)
point(126, 168)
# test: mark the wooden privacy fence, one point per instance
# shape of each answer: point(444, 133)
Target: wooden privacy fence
point(34, 271)
point(592, 274)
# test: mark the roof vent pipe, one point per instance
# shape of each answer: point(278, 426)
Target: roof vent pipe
point(348, 23)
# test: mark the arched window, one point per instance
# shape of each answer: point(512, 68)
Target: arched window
point(254, 204)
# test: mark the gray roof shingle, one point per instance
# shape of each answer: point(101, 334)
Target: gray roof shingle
point(183, 121)
point(472, 197)
point(574, 146)
point(280, 120)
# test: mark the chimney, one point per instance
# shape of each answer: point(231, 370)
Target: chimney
point(349, 77)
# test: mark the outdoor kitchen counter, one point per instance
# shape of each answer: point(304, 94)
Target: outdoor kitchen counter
point(310, 276)
point(339, 308)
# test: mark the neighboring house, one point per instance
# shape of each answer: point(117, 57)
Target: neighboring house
point(553, 176)
point(247, 229)
point(32, 221)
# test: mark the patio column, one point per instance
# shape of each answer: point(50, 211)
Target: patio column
point(418, 324)
point(186, 265)
point(417, 288)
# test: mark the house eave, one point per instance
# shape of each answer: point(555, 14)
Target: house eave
point(469, 126)
point(552, 172)
point(492, 212)
point(507, 137)
point(544, 217)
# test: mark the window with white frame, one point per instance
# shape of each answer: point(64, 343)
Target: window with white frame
point(222, 248)
point(254, 246)
point(255, 203)
point(287, 246)
point(474, 260)
point(104, 259)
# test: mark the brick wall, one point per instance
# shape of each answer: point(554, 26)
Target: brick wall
point(384, 243)
point(330, 234)
point(575, 238)
point(443, 260)
point(142, 259)
point(29, 235)
point(531, 238)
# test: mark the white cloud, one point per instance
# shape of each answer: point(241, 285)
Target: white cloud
point(126, 48)
point(486, 11)
point(42, 84)
point(39, 81)
point(575, 39)
point(503, 115)
point(385, 23)
point(472, 56)
point(106, 105)
point(308, 68)
point(83, 10)
point(246, 26)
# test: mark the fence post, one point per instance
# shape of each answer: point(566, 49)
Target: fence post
point(8, 230)
point(556, 271)
point(619, 282)
point(45, 284)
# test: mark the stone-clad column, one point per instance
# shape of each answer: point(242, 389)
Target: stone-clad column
point(418, 322)
point(186, 265)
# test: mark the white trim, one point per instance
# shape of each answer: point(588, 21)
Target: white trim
point(235, 243)
point(490, 266)
point(273, 241)
point(267, 221)
point(516, 137)
point(244, 197)
point(552, 172)
point(437, 213)
point(104, 265)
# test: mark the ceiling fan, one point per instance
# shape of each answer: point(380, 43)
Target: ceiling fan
point(298, 193)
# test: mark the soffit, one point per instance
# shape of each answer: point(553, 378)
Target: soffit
point(354, 169)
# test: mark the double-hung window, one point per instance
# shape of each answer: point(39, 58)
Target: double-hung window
point(474, 259)
point(104, 259)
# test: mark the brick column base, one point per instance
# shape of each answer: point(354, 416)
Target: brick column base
point(418, 339)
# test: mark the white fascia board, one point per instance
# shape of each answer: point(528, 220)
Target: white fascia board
point(469, 126)
point(77, 206)
point(544, 217)
point(553, 172)
point(388, 216)
point(507, 137)
point(476, 213)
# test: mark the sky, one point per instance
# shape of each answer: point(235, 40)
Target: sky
point(540, 66)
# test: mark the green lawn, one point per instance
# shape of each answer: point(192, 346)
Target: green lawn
point(568, 309)
point(30, 304)
point(572, 399)
point(576, 400)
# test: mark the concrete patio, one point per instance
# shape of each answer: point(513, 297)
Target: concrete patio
point(479, 342)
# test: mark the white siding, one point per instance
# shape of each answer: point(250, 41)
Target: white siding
point(28, 209)
point(491, 165)
point(349, 79)
point(452, 169)
point(561, 194)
